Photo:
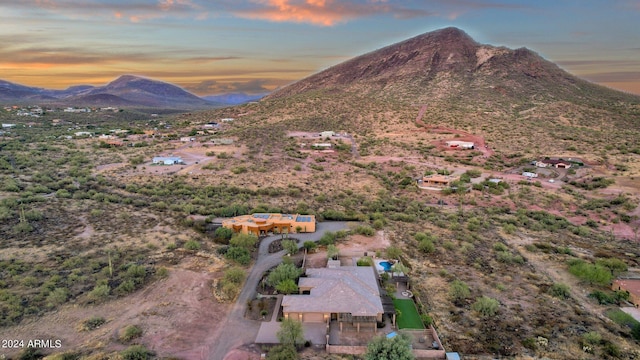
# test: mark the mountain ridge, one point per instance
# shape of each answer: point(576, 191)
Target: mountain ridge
point(126, 90)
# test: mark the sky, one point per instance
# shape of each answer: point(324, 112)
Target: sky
point(254, 46)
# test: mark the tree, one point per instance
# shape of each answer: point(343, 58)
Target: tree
point(310, 245)
point(287, 287)
point(239, 255)
point(396, 348)
point(247, 241)
point(223, 234)
point(283, 272)
point(291, 333)
point(399, 267)
point(332, 252)
point(458, 292)
point(290, 246)
point(394, 252)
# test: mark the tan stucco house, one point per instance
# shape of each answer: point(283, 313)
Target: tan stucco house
point(348, 294)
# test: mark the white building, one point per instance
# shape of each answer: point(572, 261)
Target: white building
point(167, 160)
point(460, 144)
point(327, 134)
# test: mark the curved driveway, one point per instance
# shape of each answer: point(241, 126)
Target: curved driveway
point(235, 330)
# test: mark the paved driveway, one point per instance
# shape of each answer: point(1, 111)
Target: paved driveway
point(235, 330)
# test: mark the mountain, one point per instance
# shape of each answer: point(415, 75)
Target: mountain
point(514, 98)
point(127, 90)
point(234, 98)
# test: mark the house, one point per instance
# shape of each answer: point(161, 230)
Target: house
point(438, 180)
point(632, 286)
point(170, 160)
point(529, 174)
point(211, 125)
point(347, 294)
point(8, 126)
point(557, 163)
point(227, 119)
point(187, 139)
point(83, 134)
point(321, 146)
point(460, 144)
point(495, 181)
point(262, 223)
point(541, 164)
point(327, 134)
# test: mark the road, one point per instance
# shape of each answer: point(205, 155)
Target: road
point(235, 330)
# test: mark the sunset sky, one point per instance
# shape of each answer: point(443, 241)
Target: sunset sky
point(218, 46)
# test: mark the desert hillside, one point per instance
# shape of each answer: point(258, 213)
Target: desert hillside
point(91, 225)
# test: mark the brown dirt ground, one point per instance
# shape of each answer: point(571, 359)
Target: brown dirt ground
point(176, 314)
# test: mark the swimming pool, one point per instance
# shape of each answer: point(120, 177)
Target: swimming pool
point(386, 265)
point(383, 265)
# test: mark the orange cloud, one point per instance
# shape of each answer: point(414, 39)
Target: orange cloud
point(322, 12)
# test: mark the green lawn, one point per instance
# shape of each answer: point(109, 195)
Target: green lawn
point(409, 318)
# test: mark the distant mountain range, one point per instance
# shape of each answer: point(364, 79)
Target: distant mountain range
point(125, 91)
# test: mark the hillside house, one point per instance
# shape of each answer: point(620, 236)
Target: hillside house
point(529, 174)
point(169, 160)
point(262, 223)
point(557, 163)
point(321, 146)
point(466, 145)
point(347, 294)
point(632, 286)
point(438, 180)
point(327, 134)
point(187, 139)
point(8, 126)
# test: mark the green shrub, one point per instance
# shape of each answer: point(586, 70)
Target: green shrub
point(592, 337)
point(364, 230)
point(310, 245)
point(486, 306)
point(427, 246)
point(246, 241)
point(99, 293)
point(458, 292)
point(235, 275)
point(500, 247)
point(192, 245)
point(238, 254)
point(130, 332)
point(93, 323)
point(561, 291)
point(136, 352)
point(364, 261)
point(591, 273)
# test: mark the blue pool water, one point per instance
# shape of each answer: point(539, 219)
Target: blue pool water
point(386, 265)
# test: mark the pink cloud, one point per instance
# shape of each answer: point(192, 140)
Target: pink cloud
point(322, 12)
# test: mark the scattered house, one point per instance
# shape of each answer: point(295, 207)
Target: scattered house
point(8, 126)
point(187, 139)
point(437, 180)
point(170, 160)
point(632, 286)
point(496, 181)
point(74, 110)
point(460, 144)
point(227, 119)
point(557, 163)
point(347, 294)
point(327, 134)
point(149, 132)
point(529, 174)
point(222, 141)
point(211, 125)
point(262, 223)
point(106, 137)
point(321, 146)
point(83, 134)
point(540, 164)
